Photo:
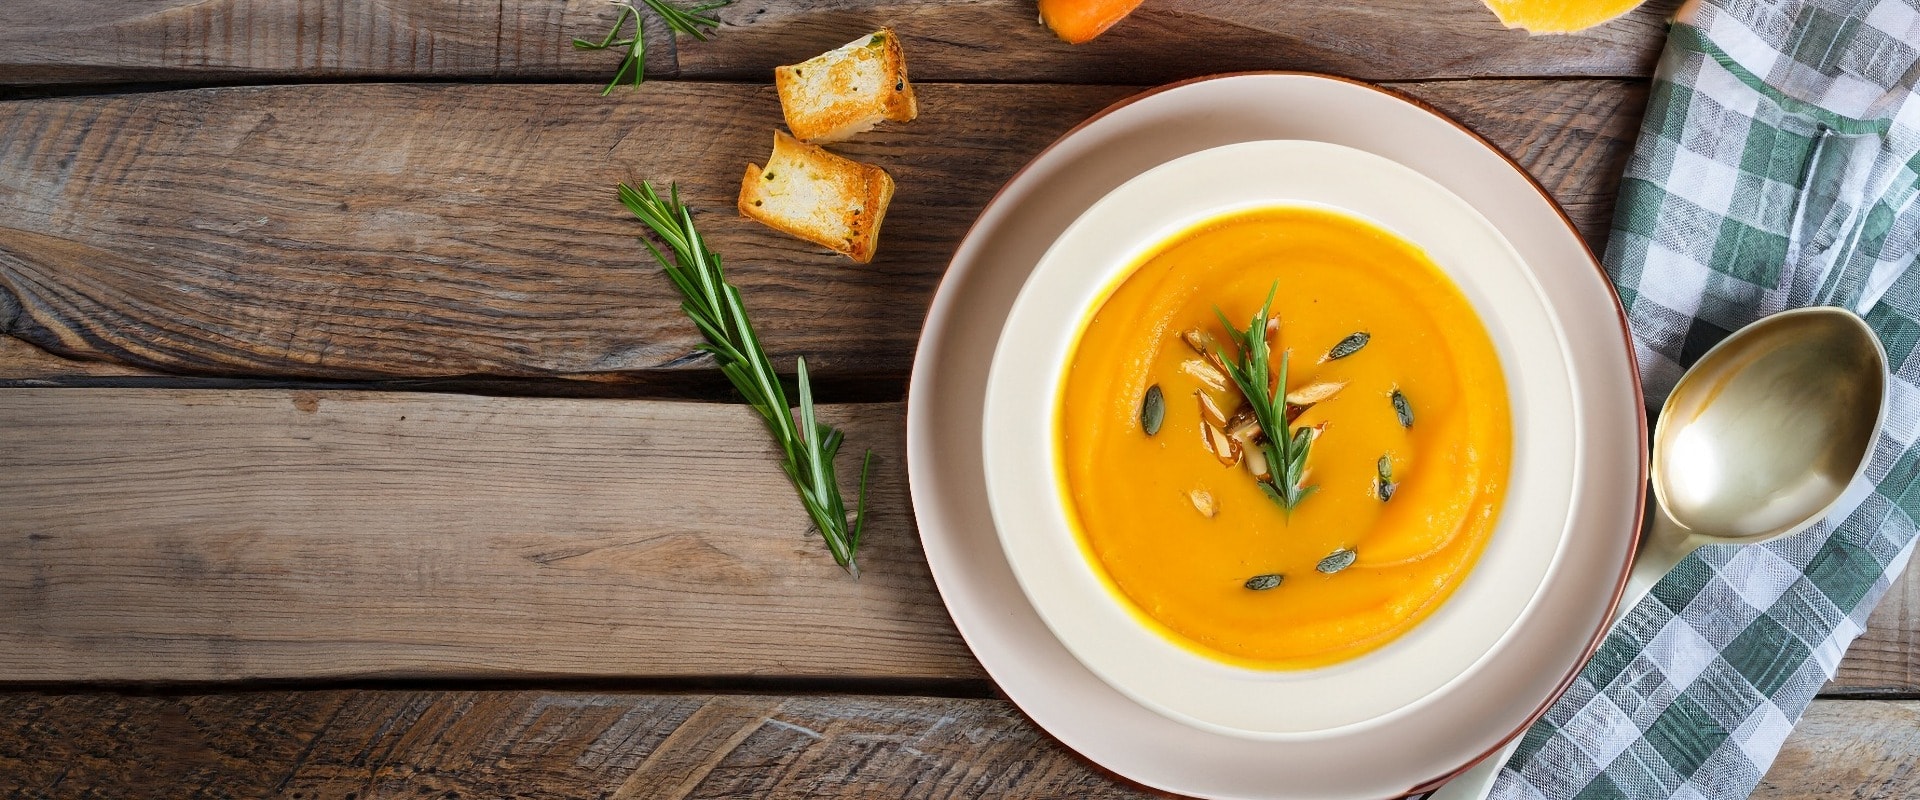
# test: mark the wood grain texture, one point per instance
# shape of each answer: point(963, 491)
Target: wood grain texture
point(210, 535)
point(91, 41)
point(23, 362)
point(190, 536)
point(1167, 40)
point(1861, 750)
point(47, 41)
point(334, 745)
point(1886, 658)
point(382, 231)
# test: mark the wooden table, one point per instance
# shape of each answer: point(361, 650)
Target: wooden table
point(350, 446)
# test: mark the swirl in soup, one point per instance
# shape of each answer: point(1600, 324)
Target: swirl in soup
point(1171, 479)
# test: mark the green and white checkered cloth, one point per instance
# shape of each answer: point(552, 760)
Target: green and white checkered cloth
point(1776, 168)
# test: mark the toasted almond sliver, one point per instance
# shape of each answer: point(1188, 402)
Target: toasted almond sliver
point(1203, 502)
point(1222, 446)
point(1213, 360)
point(1257, 463)
point(1315, 392)
point(1198, 340)
point(1210, 410)
point(1243, 425)
point(1211, 377)
point(1208, 348)
point(1273, 330)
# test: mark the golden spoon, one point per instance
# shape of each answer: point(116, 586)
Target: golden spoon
point(1767, 434)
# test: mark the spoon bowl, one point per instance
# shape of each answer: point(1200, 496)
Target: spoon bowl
point(1762, 436)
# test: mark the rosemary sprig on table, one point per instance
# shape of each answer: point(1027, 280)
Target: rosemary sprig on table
point(807, 449)
point(695, 22)
point(1286, 448)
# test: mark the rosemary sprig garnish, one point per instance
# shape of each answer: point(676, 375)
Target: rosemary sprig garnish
point(695, 22)
point(807, 448)
point(1286, 448)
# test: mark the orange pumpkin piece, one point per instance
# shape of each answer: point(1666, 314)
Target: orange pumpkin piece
point(1078, 21)
point(1558, 16)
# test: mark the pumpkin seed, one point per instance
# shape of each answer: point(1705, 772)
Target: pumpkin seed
point(1384, 486)
point(1403, 409)
point(1340, 559)
point(1261, 583)
point(1153, 410)
point(1348, 346)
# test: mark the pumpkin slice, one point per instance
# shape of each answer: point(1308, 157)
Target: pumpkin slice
point(1078, 21)
point(1559, 16)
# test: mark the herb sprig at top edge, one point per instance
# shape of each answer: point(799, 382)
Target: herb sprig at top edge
point(807, 446)
point(694, 22)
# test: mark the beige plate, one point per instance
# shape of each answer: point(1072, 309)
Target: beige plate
point(1513, 681)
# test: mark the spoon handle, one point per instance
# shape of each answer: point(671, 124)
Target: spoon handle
point(1662, 544)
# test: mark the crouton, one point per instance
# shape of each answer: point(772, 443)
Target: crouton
point(815, 195)
point(839, 93)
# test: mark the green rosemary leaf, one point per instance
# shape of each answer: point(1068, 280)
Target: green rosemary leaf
point(693, 22)
point(1239, 339)
point(808, 448)
point(1287, 448)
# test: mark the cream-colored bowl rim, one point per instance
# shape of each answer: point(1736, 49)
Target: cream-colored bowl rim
point(1034, 523)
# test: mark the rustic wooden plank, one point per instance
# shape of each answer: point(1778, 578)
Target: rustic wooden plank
point(91, 41)
point(225, 535)
point(188, 536)
point(48, 41)
point(1886, 658)
point(24, 362)
point(105, 745)
point(409, 231)
point(1167, 40)
point(541, 744)
point(413, 231)
point(1859, 749)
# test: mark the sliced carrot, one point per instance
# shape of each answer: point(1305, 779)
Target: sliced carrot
point(1079, 21)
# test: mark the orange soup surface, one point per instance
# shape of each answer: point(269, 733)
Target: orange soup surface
point(1182, 530)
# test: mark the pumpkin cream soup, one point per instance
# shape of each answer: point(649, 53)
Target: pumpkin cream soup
point(1294, 531)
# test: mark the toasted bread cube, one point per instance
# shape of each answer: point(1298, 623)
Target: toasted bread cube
point(839, 93)
point(807, 192)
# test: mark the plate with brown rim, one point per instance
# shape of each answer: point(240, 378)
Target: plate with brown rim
point(1509, 684)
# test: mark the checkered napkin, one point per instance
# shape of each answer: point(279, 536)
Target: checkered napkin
point(1776, 168)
